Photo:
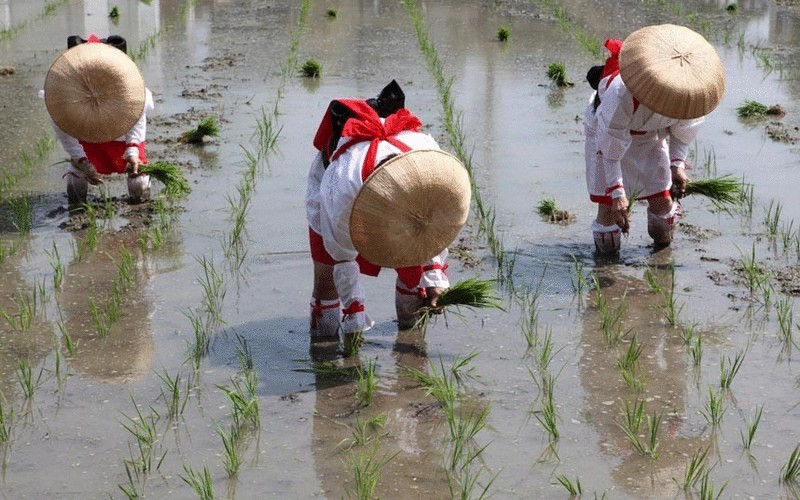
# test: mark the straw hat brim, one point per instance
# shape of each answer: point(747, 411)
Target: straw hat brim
point(94, 92)
point(672, 70)
point(410, 208)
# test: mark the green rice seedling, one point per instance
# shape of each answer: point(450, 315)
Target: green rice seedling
point(364, 431)
point(170, 175)
point(461, 368)
point(114, 14)
point(6, 420)
point(22, 213)
point(98, 318)
point(28, 382)
point(695, 470)
point(783, 308)
point(131, 490)
point(366, 467)
point(689, 331)
point(463, 430)
point(440, 383)
point(752, 109)
point(578, 278)
point(231, 460)
point(754, 273)
point(545, 352)
point(503, 33)
point(729, 368)
point(653, 426)
point(69, 344)
point(707, 487)
point(365, 383)
point(671, 308)
point(201, 482)
point(714, 408)
point(311, 69)
point(266, 131)
point(143, 429)
point(723, 191)
point(790, 472)
point(244, 354)
point(752, 427)
point(611, 320)
point(773, 217)
point(696, 350)
point(547, 414)
point(214, 289)
point(627, 362)
point(732, 8)
point(56, 265)
point(472, 293)
point(202, 336)
point(174, 395)
point(557, 73)
point(632, 415)
point(574, 489)
point(208, 127)
point(331, 12)
point(244, 403)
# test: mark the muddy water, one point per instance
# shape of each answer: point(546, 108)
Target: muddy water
point(228, 59)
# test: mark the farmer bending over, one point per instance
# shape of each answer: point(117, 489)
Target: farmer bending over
point(98, 102)
point(650, 99)
point(380, 194)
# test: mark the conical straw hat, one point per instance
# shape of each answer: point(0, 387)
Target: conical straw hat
point(94, 92)
point(410, 208)
point(672, 70)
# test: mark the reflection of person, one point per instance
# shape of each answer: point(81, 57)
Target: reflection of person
point(651, 97)
point(663, 369)
point(410, 434)
point(378, 140)
point(98, 103)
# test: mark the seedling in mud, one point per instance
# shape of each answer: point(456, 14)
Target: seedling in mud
point(266, 132)
point(783, 308)
point(202, 336)
point(548, 209)
point(69, 344)
point(311, 69)
point(28, 382)
point(366, 467)
point(170, 175)
point(114, 14)
point(574, 489)
point(696, 350)
point(579, 279)
point(213, 284)
point(6, 420)
point(231, 460)
point(472, 293)
point(649, 446)
point(752, 427)
point(546, 415)
point(365, 383)
point(732, 8)
point(755, 275)
point(503, 33)
point(331, 13)
point(729, 368)
point(557, 73)
point(696, 469)
point(244, 401)
point(131, 490)
point(144, 431)
point(364, 431)
point(201, 482)
point(755, 109)
point(208, 127)
point(174, 395)
point(56, 265)
point(790, 472)
point(22, 213)
point(714, 408)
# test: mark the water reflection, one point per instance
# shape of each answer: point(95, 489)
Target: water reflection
point(413, 428)
point(663, 372)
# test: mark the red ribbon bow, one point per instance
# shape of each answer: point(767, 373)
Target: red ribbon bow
point(368, 127)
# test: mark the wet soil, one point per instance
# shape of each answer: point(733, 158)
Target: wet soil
point(229, 60)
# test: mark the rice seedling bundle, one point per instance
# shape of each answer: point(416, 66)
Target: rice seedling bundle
point(723, 190)
point(207, 127)
point(168, 174)
point(473, 293)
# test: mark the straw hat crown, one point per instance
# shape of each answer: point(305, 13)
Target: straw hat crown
point(94, 92)
point(410, 208)
point(672, 70)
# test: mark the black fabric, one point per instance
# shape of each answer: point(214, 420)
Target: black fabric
point(115, 41)
point(389, 101)
point(593, 76)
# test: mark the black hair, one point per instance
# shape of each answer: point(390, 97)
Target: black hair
point(115, 41)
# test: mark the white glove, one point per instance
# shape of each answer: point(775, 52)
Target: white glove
point(357, 322)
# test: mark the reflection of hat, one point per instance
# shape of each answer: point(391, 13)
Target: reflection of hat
point(410, 208)
point(94, 92)
point(672, 70)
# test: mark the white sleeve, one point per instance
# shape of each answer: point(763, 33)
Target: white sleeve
point(681, 135)
point(315, 174)
point(435, 272)
point(613, 132)
point(138, 133)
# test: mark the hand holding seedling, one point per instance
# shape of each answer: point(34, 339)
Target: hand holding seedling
point(433, 294)
point(88, 169)
point(133, 166)
point(619, 209)
point(679, 182)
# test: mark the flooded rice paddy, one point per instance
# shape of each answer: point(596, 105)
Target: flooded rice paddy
point(163, 350)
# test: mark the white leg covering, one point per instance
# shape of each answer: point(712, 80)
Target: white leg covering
point(77, 188)
point(324, 319)
point(662, 227)
point(139, 188)
point(351, 293)
point(407, 302)
point(607, 239)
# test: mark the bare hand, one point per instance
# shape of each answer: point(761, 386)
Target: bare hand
point(89, 171)
point(432, 300)
point(679, 182)
point(133, 166)
point(619, 207)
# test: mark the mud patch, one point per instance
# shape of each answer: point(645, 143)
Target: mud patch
point(780, 132)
